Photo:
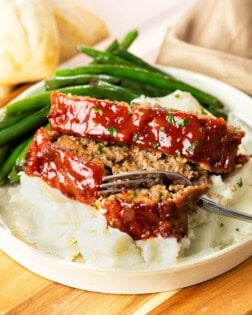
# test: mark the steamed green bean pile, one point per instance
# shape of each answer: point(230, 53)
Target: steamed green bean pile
point(114, 74)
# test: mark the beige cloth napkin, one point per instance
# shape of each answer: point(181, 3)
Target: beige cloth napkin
point(213, 38)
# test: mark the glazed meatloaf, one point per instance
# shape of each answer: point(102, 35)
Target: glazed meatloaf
point(208, 142)
point(91, 138)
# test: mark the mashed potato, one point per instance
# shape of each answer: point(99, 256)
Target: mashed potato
point(72, 230)
point(210, 232)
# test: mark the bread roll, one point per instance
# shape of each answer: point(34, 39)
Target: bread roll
point(76, 26)
point(29, 41)
point(35, 35)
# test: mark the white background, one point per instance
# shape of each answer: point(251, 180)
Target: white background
point(151, 17)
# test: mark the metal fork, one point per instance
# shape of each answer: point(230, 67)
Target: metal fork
point(115, 183)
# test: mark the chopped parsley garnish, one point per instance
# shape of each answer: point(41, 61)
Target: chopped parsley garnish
point(112, 131)
point(195, 143)
point(182, 123)
point(237, 230)
point(100, 148)
point(135, 137)
point(193, 146)
point(221, 224)
point(178, 154)
point(98, 110)
point(155, 145)
point(200, 129)
point(170, 119)
point(177, 95)
point(239, 182)
point(132, 195)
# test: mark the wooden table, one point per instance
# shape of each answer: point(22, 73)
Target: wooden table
point(23, 292)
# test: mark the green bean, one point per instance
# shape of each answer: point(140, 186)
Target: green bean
point(98, 88)
point(122, 71)
point(10, 162)
point(103, 90)
point(127, 59)
point(54, 83)
point(13, 176)
point(125, 42)
point(103, 56)
point(144, 89)
point(146, 77)
point(11, 120)
point(30, 103)
point(129, 38)
point(24, 126)
point(113, 45)
point(138, 62)
point(21, 158)
point(3, 153)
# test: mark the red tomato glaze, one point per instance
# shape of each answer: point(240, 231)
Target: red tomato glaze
point(144, 220)
point(202, 140)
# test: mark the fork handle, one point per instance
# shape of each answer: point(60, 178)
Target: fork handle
point(211, 206)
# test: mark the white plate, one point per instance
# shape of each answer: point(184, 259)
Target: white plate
point(181, 275)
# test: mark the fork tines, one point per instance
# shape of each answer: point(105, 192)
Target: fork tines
point(131, 180)
point(118, 182)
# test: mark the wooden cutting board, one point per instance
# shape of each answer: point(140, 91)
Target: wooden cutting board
point(23, 292)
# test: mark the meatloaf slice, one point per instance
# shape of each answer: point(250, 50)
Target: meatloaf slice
point(208, 142)
point(76, 166)
point(61, 169)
